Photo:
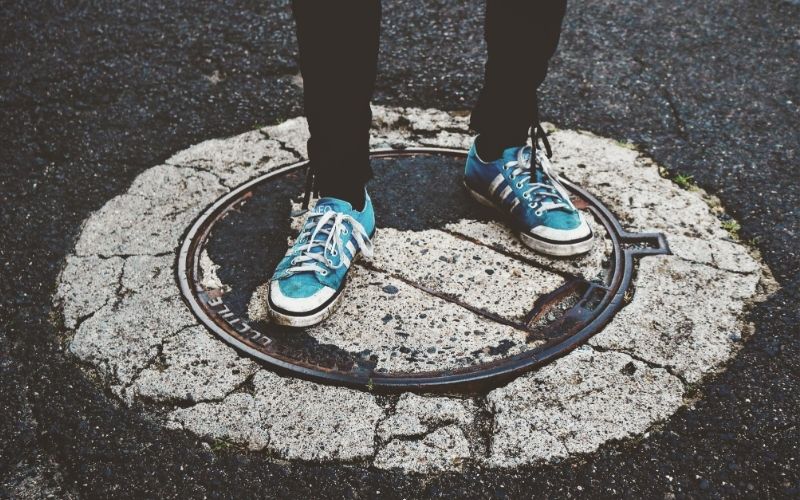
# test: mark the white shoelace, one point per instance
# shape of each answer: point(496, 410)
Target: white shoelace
point(327, 233)
point(542, 196)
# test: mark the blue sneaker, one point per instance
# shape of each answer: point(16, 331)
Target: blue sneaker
point(309, 280)
point(536, 203)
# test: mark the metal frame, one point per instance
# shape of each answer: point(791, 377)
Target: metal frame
point(608, 299)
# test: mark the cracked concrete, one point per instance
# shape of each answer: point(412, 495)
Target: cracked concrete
point(416, 415)
point(196, 367)
point(682, 316)
point(82, 292)
point(426, 434)
point(477, 276)
point(445, 448)
point(504, 240)
point(408, 330)
point(122, 306)
point(293, 418)
point(236, 419)
point(576, 404)
point(236, 159)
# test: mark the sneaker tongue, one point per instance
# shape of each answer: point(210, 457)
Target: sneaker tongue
point(519, 153)
point(333, 204)
point(328, 204)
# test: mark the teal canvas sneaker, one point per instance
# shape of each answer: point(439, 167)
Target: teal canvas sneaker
point(531, 198)
point(308, 281)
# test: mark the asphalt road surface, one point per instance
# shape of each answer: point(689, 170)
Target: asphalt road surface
point(92, 93)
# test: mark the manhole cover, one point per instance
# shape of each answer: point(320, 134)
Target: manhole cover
point(446, 305)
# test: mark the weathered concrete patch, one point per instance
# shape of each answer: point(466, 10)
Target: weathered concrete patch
point(132, 225)
point(291, 134)
point(315, 422)
point(720, 252)
point(576, 404)
point(425, 434)
point(463, 271)
point(685, 316)
point(416, 415)
point(494, 234)
point(408, 329)
point(236, 159)
point(632, 186)
point(443, 449)
point(86, 284)
point(193, 367)
point(166, 185)
point(122, 340)
point(236, 419)
point(125, 336)
point(119, 296)
point(294, 419)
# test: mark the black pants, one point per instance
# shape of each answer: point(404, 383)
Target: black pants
point(338, 42)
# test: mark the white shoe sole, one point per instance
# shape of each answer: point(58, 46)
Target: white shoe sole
point(547, 248)
point(304, 321)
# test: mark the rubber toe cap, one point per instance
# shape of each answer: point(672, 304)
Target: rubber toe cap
point(298, 305)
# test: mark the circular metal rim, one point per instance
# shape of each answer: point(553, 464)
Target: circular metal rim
point(626, 247)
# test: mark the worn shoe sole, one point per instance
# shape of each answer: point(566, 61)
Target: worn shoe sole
point(547, 247)
point(310, 318)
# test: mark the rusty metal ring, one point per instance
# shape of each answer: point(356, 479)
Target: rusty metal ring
point(596, 307)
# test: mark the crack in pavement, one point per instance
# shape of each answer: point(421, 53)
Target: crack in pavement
point(650, 364)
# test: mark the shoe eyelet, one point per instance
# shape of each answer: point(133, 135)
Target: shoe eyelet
point(323, 273)
point(519, 185)
point(334, 253)
point(526, 196)
point(538, 213)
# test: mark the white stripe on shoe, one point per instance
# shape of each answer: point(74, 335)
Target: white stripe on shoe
point(496, 183)
point(504, 194)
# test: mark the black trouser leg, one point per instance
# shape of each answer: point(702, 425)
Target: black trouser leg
point(521, 36)
point(338, 42)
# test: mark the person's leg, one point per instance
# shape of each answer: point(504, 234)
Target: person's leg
point(501, 171)
point(338, 41)
point(521, 37)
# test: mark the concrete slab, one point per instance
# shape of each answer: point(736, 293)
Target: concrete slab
point(315, 422)
point(237, 159)
point(416, 415)
point(685, 316)
point(193, 366)
point(444, 449)
point(576, 404)
point(405, 329)
point(463, 271)
point(684, 320)
point(588, 266)
point(85, 285)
